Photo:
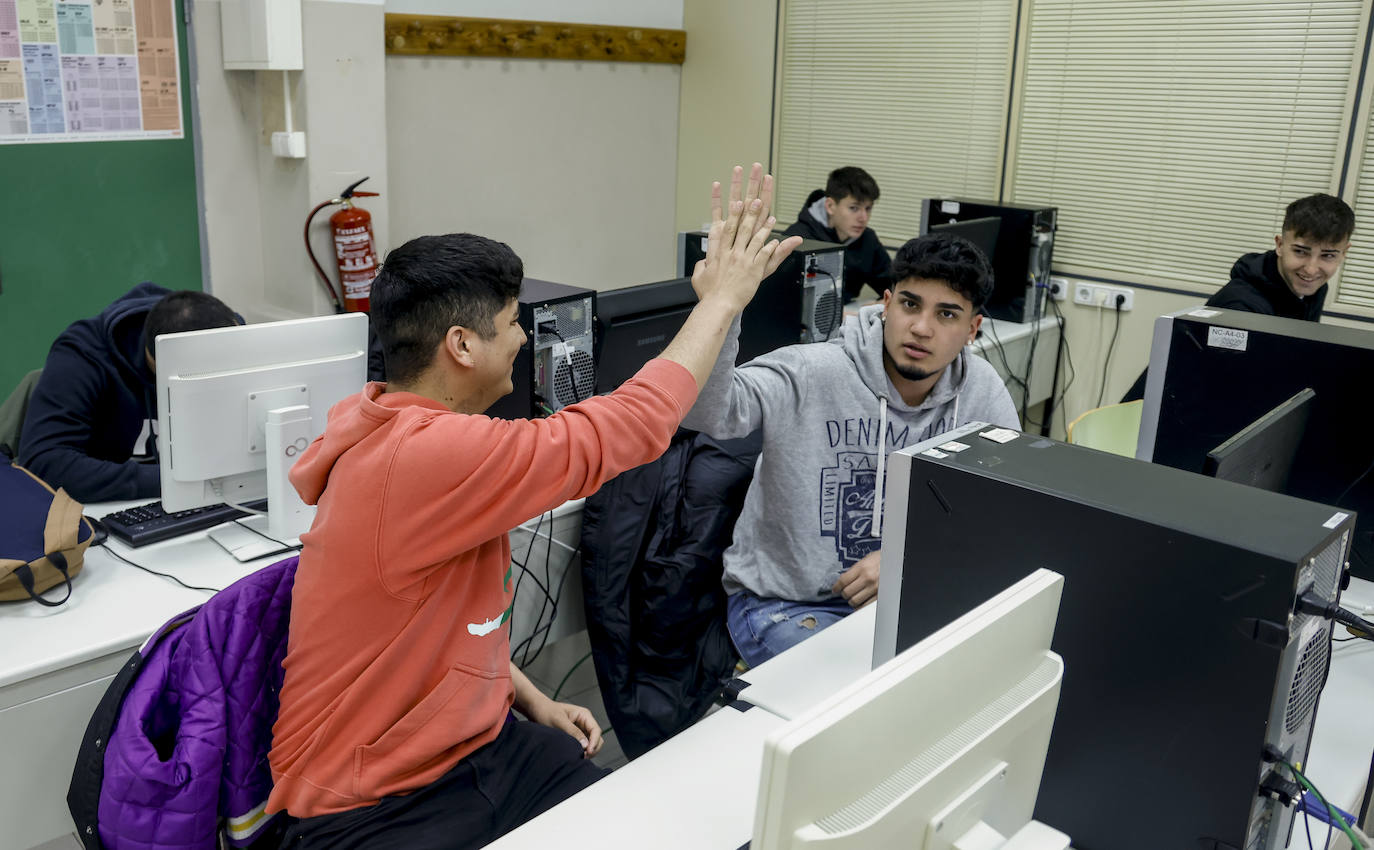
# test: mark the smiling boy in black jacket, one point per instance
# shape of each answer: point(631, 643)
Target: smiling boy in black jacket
point(839, 213)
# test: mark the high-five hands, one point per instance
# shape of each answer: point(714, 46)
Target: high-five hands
point(740, 251)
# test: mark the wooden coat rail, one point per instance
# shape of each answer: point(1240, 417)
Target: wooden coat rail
point(440, 35)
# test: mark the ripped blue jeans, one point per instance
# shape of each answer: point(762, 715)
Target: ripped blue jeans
point(761, 628)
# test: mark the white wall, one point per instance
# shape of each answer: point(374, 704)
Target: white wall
point(256, 203)
point(658, 14)
point(570, 163)
point(727, 96)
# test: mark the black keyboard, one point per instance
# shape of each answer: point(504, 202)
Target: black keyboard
point(149, 523)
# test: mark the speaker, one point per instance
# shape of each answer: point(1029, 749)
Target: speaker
point(558, 366)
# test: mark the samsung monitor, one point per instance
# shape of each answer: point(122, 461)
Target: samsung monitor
point(1262, 453)
point(1212, 372)
point(944, 743)
point(980, 231)
point(236, 407)
point(635, 324)
point(1184, 656)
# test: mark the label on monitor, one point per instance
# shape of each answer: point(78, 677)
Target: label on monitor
point(1203, 313)
point(951, 207)
point(1000, 435)
point(935, 453)
point(954, 446)
point(1231, 338)
point(1336, 519)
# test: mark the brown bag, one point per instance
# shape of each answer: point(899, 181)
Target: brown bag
point(43, 537)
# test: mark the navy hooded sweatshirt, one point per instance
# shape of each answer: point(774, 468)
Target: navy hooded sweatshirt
point(1257, 287)
point(91, 403)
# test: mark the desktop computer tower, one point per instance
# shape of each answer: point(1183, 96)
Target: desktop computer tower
point(1183, 657)
point(1212, 372)
point(1025, 246)
point(803, 301)
point(557, 367)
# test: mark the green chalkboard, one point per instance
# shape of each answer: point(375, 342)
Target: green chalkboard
point(82, 222)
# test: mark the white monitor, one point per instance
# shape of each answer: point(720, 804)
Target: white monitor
point(940, 747)
point(238, 405)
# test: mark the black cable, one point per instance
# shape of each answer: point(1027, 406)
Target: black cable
point(572, 370)
point(110, 551)
point(549, 600)
point(547, 629)
point(1337, 501)
point(1066, 354)
point(1002, 352)
point(524, 571)
point(285, 547)
point(1030, 362)
point(1107, 364)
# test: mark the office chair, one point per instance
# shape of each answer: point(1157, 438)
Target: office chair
point(1111, 428)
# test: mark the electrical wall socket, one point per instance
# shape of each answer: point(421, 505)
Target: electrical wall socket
point(1059, 288)
point(1102, 295)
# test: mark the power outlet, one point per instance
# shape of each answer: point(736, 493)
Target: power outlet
point(1059, 288)
point(1103, 295)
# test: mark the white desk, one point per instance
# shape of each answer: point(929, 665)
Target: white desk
point(669, 797)
point(695, 791)
point(57, 662)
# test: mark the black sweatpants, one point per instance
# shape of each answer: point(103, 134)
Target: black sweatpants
point(528, 768)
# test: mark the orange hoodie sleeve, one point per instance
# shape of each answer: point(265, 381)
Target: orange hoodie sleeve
point(456, 481)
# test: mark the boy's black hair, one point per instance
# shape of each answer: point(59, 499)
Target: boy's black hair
point(1320, 218)
point(952, 259)
point(851, 181)
point(186, 310)
point(433, 283)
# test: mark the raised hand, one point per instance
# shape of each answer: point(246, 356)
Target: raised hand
point(739, 250)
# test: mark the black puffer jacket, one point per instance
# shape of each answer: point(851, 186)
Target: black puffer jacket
point(652, 540)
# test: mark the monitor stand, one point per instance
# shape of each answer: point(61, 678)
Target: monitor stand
point(288, 431)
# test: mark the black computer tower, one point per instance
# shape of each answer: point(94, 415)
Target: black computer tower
point(803, 301)
point(557, 367)
point(1182, 654)
point(1212, 372)
point(1025, 247)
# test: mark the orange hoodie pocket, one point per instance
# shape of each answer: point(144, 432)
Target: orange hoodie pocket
point(457, 710)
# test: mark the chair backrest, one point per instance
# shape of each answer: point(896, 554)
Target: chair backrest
point(1112, 428)
point(12, 413)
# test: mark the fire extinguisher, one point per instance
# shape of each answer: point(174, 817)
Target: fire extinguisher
point(354, 250)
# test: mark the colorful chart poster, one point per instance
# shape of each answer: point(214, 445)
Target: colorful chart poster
point(89, 71)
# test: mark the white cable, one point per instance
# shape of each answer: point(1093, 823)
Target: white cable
point(547, 536)
point(286, 97)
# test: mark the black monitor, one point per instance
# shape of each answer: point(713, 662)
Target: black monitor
point(1261, 454)
point(635, 324)
point(980, 231)
point(1212, 372)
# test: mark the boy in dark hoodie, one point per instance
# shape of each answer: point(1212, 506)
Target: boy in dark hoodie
point(839, 213)
point(1290, 281)
point(98, 391)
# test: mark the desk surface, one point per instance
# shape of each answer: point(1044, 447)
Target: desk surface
point(697, 790)
point(114, 606)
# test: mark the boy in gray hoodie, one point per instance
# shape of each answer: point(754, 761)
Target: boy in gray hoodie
point(805, 550)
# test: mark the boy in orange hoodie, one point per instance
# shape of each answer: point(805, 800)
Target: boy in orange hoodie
point(395, 727)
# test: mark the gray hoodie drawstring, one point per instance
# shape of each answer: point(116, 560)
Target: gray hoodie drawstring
point(877, 530)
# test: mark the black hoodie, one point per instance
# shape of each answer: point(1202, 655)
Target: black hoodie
point(865, 259)
point(1257, 287)
point(91, 403)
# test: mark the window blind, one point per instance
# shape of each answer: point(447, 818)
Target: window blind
point(914, 92)
point(1171, 135)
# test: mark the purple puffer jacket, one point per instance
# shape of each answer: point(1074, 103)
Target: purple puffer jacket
point(188, 750)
